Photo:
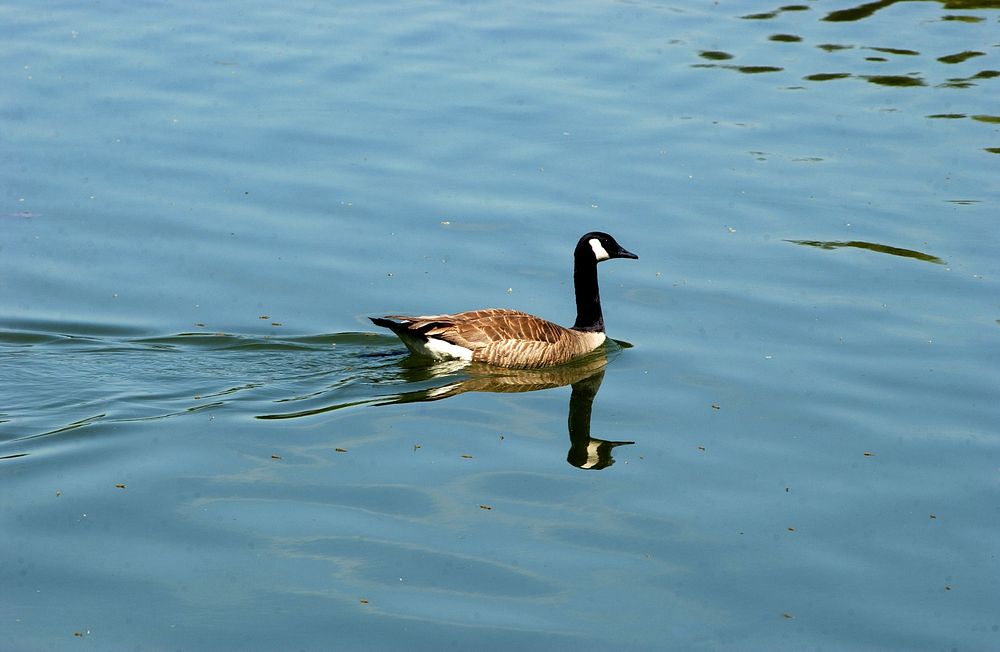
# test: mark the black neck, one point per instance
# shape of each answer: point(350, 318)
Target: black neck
point(588, 295)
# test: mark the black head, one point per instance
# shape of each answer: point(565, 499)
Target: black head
point(602, 247)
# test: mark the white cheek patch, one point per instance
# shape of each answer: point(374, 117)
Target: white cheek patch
point(599, 250)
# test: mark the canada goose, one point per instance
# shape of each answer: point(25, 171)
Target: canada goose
point(510, 338)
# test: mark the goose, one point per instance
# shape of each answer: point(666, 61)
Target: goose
point(511, 338)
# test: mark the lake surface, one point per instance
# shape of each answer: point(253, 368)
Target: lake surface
point(794, 444)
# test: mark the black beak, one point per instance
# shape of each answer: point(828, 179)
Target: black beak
point(625, 253)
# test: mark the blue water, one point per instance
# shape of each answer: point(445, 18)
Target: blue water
point(204, 444)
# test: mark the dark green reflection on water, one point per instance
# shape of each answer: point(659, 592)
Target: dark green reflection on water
point(715, 55)
point(748, 70)
point(859, 12)
point(963, 19)
point(959, 57)
point(869, 8)
point(871, 246)
point(899, 51)
point(827, 76)
point(910, 80)
point(894, 80)
point(767, 15)
point(966, 82)
point(753, 70)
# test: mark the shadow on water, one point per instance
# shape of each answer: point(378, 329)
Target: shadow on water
point(97, 375)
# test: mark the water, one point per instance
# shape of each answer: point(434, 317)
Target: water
point(205, 445)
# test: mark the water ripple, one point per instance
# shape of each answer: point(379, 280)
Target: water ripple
point(61, 378)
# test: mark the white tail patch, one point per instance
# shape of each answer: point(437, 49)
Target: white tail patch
point(440, 349)
point(599, 251)
point(433, 347)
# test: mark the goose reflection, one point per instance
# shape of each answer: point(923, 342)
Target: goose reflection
point(584, 376)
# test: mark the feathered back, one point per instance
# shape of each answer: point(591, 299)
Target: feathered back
point(508, 338)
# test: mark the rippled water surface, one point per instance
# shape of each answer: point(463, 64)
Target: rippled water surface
point(793, 444)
